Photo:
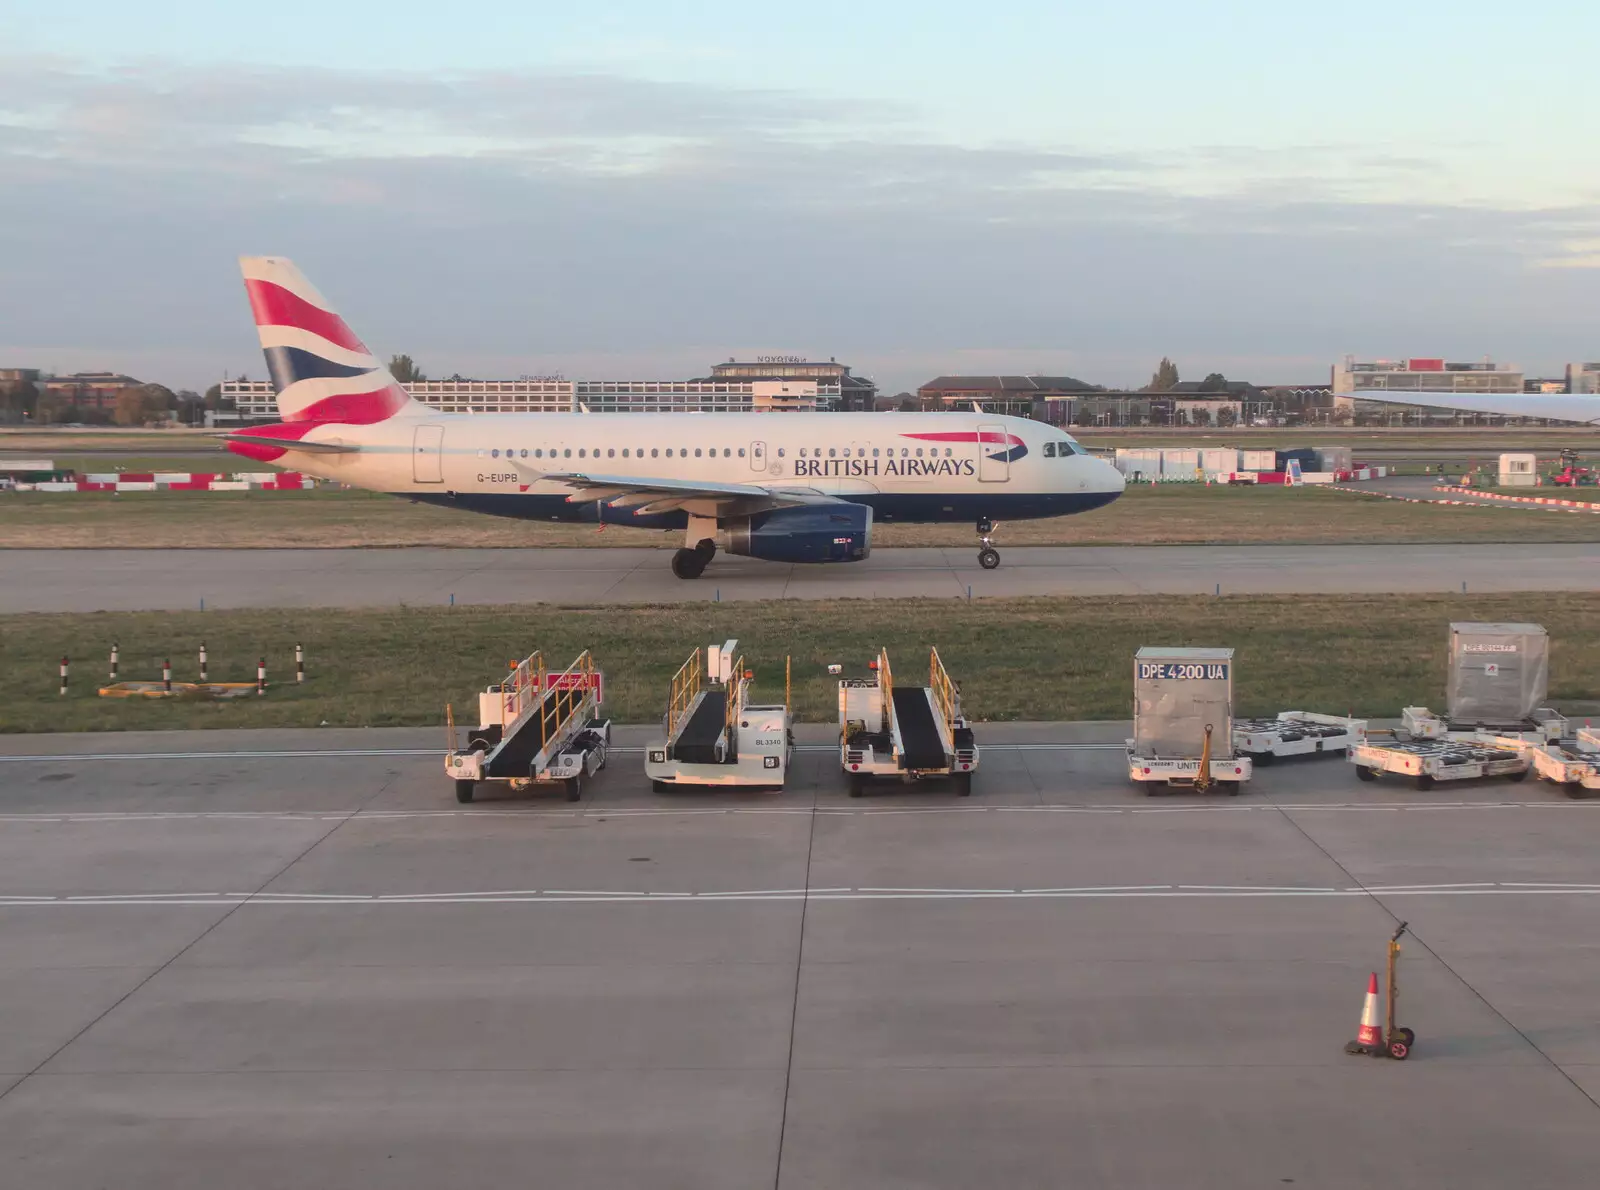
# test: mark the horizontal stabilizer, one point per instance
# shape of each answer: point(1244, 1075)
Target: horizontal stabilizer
point(315, 448)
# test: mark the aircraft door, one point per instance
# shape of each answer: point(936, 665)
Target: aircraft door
point(994, 454)
point(427, 454)
point(758, 456)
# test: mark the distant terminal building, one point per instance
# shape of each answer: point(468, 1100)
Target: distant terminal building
point(255, 400)
point(851, 392)
point(88, 390)
point(1045, 398)
point(1420, 374)
point(1583, 378)
point(18, 375)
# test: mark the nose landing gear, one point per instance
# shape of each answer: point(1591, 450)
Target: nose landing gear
point(988, 556)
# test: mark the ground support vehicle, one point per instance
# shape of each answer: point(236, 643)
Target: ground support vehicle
point(713, 735)
point(1542, 726)
point(1296, 733)
point(1562, 763)
point(1183, 732)
point(536, 728)
point(1429, 760)
point(910, 733)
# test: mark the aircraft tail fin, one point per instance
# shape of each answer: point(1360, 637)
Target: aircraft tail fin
point(320, 370)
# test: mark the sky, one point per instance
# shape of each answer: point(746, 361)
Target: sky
point(620, 191)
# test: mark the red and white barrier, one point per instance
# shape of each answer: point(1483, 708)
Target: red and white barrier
point(1577, 505)
point(177, 481)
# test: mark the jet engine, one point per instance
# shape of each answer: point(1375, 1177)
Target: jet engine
point(809, 533)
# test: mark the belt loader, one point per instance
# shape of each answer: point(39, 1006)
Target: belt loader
point(535, 728)
point(907, 732)
point(712, 734)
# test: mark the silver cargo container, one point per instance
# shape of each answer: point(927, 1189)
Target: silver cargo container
point(1499, 673)
point(1176, 693)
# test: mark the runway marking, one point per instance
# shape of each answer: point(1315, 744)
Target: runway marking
point(599, 814)
point(659, 897)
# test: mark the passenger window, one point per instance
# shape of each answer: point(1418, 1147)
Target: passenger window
point(741, 452)
point(919, 452)
point(611, 452)
point(624, 452)
point(580, 452)
point(874, 452)
point(728, 454)
point(538, 453)
point(905, 452)
point(697, 452)
point(524, 452)
point(832, 453)
point(653, 451)
point(567, 453)
point(669, 452)
point(494, 454)
point(780, 452)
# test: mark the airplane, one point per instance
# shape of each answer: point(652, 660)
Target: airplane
point(792, 487)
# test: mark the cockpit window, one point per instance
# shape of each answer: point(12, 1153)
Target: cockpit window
point(1049, 450)
point(1066, 449)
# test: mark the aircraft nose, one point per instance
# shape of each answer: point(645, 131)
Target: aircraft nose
point(1113, 480)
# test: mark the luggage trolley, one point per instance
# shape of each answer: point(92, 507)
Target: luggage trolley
point(712, 734)
point(909, 732)
point(1183, 731)
point(1296, 733)
point(536, 728)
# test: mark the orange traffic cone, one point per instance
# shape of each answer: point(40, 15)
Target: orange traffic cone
point(1369, 1037)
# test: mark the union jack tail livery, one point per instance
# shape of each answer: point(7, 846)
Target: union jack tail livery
point(322, 373)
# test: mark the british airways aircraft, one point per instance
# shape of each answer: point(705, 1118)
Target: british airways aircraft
point(794, 487)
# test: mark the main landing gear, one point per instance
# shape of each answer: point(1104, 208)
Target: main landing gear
point(693, 563)
point(988, 556)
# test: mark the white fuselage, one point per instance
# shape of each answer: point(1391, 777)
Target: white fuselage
point(908, 466)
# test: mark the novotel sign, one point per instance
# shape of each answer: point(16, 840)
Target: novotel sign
point(780, 359)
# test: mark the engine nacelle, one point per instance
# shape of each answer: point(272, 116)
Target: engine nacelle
point(809, 533)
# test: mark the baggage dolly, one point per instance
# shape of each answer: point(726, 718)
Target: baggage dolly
point(1429, 760)
point(912, 733)
point(1296, 733)
point(1577, 772)
point(712, 734)
point(536, 728)
point(1395, 1041)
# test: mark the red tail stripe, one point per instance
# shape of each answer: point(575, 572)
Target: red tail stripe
point(967, 436)
point(265, 454)
point(274, 305)
point(357, 409)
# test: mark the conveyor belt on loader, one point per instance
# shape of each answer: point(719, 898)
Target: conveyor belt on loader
point(702, 728)
point(513, 755)
point(919, 734)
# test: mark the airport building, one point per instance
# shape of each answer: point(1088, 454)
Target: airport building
point(1583, 378)
point(853, 392)
point(255, 400)
point(1022, 396)
point(1420, 374)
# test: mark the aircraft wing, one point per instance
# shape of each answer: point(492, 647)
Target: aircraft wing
point(1573, 407)
point(644, 494)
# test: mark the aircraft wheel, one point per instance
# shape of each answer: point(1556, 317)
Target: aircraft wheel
point(706, 547)
point(988, 558)
point(688, 563)
point(464, 791)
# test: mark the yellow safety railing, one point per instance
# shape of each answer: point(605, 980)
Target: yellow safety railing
point(735, 693)
point(944, 690)
point(681, 693)
point(569, 692)
point(886, 685)
point(787, 704)
point(450, 727)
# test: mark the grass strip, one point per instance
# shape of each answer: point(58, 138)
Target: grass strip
point(1016, 659)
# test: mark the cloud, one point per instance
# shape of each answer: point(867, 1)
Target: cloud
point(496, 217)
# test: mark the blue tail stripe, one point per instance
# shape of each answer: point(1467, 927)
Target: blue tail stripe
point(286, 365)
